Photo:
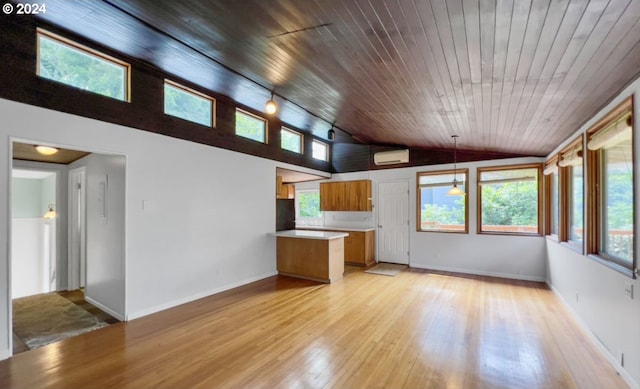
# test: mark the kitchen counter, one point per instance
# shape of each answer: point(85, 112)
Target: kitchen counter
point(312, 255)
point(325, 228)
point(306, 234)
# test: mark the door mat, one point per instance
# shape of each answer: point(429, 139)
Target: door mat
point(43, 319)
point(386, 269)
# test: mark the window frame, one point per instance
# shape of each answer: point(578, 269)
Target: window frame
point(327, 149)
point(193, 92)
point(298, 133)
point(419, 199)
point(265, 135)
point(567, 196)
point(40, 32)
point(540, 193)
point(594, 196)
point(552, 167)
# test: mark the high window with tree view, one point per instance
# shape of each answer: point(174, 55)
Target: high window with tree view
point(251, 126)
point(509, 200)
point(320, 150)
point(72, 64)
point(437, 210)
point(291, 140)
point(187, 104)
point(611, 210)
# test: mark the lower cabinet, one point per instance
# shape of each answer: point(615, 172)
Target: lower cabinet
point(359, 248)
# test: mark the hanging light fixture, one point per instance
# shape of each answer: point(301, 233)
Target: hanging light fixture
point(51, 213)
point(455, 190)
point(271, 107)
point(331, 135)
point(46, 150)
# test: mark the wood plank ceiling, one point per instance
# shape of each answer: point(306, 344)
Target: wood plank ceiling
point(510, 76)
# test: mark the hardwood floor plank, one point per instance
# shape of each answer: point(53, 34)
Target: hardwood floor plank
point(418, 329)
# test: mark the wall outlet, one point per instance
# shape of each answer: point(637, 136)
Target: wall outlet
point(628, 290)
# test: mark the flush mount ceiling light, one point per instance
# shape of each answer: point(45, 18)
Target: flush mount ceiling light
point(271, 107)
point(46, 150)
point(51, 213)
point(455, 190)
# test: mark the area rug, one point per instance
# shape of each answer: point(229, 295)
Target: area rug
point(47, 318)
point(386, 269)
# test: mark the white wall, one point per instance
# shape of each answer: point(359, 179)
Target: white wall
point(105, 216)
point(521, 257)
point(197, 217)
point(28, 269)
point(602, 306)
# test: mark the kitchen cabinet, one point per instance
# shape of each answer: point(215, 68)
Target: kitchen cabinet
point(346, 196)
point(359, 248)
point(359, 245)
point(284, 191)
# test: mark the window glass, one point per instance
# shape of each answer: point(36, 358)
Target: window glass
point(509, 200)
point(617, 201)
point(291, 140)
point(320, 150)
point(555, 204)
point(251, 126)
point(576, 204)
point(188, 105)
point(81, 67)
point(439, 211)
point(308, 208)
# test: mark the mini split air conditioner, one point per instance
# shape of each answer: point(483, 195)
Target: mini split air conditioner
point(391, 157)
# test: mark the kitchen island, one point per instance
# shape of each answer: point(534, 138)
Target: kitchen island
point(313, 255)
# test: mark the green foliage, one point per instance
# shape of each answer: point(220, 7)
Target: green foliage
point(187, 106)
point(619, 199)
point(510, 204)
point(250, 127)
point(73, 67)
point(444, 214)
point(309, 204)
point(290, 141)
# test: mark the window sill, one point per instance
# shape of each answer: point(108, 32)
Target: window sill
point(612, 265)
point(527, 234)
point(446, 231)
point(573, 246)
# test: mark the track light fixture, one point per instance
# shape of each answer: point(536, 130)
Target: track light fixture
point(455, 191)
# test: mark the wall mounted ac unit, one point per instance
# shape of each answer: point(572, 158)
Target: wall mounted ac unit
point(391, 157)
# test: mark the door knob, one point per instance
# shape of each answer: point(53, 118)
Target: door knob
point(379, 226)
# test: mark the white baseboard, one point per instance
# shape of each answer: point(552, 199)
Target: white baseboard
point(174, 303)
point(104, 308)
point(480, 273)
point(5, 354)
point(594, 339)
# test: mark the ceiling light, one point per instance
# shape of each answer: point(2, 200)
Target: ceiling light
point(331, 135)
point(51, 213)
point(46, 150)
point(455, 191)
point(271, 107)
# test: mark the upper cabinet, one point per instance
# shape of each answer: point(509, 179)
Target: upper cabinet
point(346, 196)
point(284, 191)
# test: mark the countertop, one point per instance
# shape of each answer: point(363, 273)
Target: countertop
point(325, 228)
point(305, 234)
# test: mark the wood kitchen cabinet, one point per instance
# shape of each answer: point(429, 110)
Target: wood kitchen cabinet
point(284, 191)
point(359, 248)
point(346, 196)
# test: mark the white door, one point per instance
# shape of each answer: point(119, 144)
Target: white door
point(393, 222)
point(77, 238)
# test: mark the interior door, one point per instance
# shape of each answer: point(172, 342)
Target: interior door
point(77, 237)
point(393, 222)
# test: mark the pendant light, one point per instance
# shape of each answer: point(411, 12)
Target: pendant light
point(51, 213)
point(271, 107)
point(455, 191)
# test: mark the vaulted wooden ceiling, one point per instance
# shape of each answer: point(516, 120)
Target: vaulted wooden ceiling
point(511, 76)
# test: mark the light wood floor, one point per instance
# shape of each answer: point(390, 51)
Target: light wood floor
point(414, 330)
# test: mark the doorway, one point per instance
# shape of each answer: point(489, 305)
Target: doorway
point(393, 222)
point(89, 243)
